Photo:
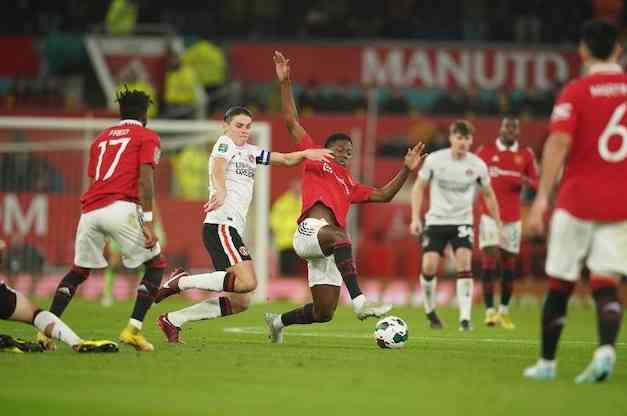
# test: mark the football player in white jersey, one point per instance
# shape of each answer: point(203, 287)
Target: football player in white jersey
point(232, 166)
point(454, 174)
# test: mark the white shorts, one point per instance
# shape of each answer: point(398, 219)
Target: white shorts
point(321, 269)
point(489, 234)
point(571, 241)
point(120, 222)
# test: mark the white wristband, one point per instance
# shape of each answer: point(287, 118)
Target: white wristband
point(147, 216)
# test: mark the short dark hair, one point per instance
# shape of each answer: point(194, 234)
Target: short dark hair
point(133, 104)
point(337, 137)
point(600, 37)
point(235, 111)
point(463, 127)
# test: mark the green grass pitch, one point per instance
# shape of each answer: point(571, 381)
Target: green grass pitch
point(227, 367)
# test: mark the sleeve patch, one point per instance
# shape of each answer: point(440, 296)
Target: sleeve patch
point(223, 147)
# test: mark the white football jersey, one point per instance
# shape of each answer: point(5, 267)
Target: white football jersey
point(240, 179)
point(453, 186)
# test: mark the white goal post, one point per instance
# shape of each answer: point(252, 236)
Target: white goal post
point(188, 132)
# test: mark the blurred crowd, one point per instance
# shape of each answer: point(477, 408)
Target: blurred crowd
point(448, 20)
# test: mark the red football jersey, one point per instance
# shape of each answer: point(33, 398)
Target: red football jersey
point(592, 110)
point(508, 168)
point(114, 160)
point(330, 184)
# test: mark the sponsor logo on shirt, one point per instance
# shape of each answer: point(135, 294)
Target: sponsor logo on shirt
point(495, 171)
point(244, 169)
point(327, 168)
point(469, 172)
point(251, 158)
point(454, 186)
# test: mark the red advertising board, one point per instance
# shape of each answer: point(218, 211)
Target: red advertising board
point(408, 65)
point(20, 57)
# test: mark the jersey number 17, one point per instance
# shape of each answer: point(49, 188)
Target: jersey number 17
point(106, 145)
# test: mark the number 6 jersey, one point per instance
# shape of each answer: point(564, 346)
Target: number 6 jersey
point(592, 110)
point(114, 160)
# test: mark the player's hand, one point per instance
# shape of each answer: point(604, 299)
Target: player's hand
point(535, 220)
point(149, 235)
point(415, 156)
point(415, 228)
point(282, 66)
point(321, 155)
point(215, 202)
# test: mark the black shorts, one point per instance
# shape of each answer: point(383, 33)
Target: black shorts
point(224, 245)
point(436, 237)
point(8, 301)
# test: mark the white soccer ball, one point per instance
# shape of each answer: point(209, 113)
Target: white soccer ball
point(391, 332)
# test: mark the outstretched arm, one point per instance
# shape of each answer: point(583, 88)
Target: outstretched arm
point(412, 160)
point(294, 158)
point(290, 114)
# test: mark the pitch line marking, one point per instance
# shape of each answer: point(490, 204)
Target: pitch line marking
point(257, 330)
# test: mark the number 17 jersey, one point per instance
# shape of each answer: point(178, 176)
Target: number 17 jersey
point(114, 161)
point(593, 110)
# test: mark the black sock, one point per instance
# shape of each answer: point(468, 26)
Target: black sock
point(487, 284)
point(301, 316)
point(609, 314)
point(146, 292)
point(343, 253)
point(507, 286)
point(67, 288)
point(553, 317)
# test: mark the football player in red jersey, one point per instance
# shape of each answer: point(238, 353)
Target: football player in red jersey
point(589, 141)
point(321, 238)
point(118, 204)
point(510, 165)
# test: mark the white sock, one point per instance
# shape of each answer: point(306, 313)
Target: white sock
point(208, 309)
point(60, 330)
point(503, 309)
point(358, 302)
point(604, 351)
point(464, 298)
point(428, 293)
point(206, 281)
point(277, 322)
point(137, 324)
point(546, 363)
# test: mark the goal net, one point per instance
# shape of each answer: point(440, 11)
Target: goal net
point(43, 164)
